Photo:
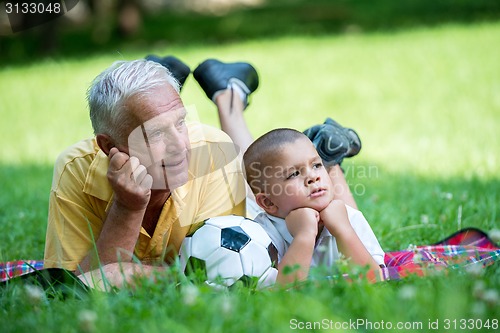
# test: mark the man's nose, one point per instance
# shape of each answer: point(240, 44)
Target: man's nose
point(175, 142)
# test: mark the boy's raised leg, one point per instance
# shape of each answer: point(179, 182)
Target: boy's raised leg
point(340, 187)
point(229, 85)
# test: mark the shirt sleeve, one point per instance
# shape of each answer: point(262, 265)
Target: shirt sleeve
point(73, 218)
point(365, 234)
point(273, 233)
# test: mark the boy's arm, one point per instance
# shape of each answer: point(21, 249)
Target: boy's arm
point(302, 224)
point(336, 220)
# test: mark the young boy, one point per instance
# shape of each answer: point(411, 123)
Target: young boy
point(306, 223)
point(300, 213)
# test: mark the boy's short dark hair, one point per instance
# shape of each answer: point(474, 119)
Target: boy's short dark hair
point(264, 151)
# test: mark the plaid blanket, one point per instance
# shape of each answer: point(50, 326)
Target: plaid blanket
point(12, 269)
point(467, 247)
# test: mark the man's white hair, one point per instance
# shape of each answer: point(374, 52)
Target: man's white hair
point(111, 89)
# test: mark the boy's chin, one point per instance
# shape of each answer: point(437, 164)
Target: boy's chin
point(319, 206)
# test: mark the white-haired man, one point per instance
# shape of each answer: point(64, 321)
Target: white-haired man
point(147, 178)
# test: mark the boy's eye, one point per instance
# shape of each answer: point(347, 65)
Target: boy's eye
point(317, 165)
point(293, 175)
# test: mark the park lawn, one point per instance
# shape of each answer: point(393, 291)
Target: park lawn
point(426, 105)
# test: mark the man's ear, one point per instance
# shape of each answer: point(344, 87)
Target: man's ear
point(105, 142)
point(265, 203)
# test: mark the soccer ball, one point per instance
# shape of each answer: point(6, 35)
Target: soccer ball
point(227, 249)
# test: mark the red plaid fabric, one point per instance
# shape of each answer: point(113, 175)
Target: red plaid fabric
point(464, 248)
point(11, 269)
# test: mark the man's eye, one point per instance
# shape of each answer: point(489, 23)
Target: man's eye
point(155, 134)
point(293, 175)
point(181, 122)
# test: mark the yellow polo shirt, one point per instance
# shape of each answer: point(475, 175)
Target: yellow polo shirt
point(80, 197)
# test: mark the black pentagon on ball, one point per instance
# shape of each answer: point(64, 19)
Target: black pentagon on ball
point(234, 238)
point(196, 269)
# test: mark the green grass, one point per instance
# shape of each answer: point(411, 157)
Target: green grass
point(426, 105)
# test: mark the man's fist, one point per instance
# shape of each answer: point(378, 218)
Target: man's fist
point(129, 179)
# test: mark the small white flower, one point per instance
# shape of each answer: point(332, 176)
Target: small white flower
point(190, 294)
point(495, 235)
point(407, 292)
point(447, 195)
point(34, 294)
point(412, 248)
point(424, 219)
point(226, 305)
point(475, 269)
point(490, 297)
point(86, 320)
point(478, 289)
point(478, 309)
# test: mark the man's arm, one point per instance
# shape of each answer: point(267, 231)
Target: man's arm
point(117, 275)
point(117, 239)
point(132, 190)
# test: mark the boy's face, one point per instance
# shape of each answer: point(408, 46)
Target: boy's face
point(297, 179)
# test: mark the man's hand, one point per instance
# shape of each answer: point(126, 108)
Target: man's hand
point(303, 221)
point(129, 179)
point(118, 275)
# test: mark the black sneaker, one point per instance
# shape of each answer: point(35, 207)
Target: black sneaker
point(334, 142)
point(178, 69)
point(214, 75)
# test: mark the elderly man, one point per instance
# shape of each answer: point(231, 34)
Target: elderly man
point(148, 178)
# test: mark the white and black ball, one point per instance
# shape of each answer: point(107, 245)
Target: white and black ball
point(227, 249)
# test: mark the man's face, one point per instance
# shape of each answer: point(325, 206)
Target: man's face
point(159, 136)
point(298, 179)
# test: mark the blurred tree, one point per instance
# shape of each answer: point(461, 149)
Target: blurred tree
point(94, 25)
point(129, 18)
point(122, 17)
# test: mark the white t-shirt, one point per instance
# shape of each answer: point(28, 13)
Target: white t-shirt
point(325, 251)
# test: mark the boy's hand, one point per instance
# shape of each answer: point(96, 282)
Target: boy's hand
point(129, 179)
point(335, 218)
point(303, 221)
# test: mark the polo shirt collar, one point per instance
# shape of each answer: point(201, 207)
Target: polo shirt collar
point(96, 182)
point(280, 225)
